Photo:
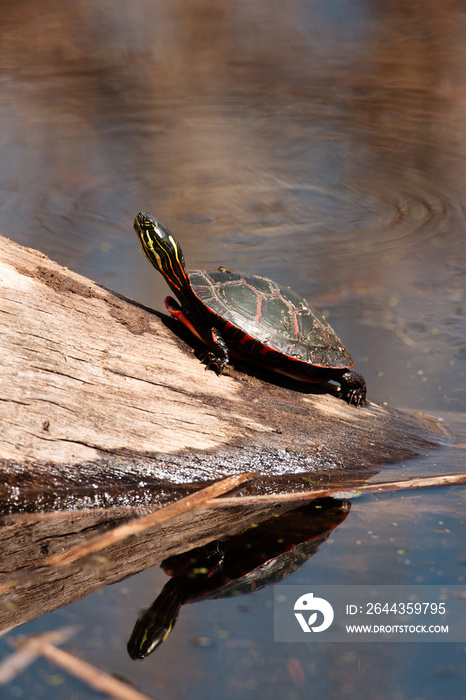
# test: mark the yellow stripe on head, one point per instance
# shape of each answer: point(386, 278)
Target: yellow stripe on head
point(159, 259)
point(162, 250)
point(148, 240)
point(176, 249)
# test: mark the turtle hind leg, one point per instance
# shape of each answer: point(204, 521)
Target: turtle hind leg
point(218, 357)
point(353, 388)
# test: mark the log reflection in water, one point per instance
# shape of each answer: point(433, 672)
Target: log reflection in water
point(31, 588)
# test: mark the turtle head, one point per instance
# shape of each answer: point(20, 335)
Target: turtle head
point(161, 249)
point(156, 623)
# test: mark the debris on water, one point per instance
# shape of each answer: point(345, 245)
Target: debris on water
point(202, 640)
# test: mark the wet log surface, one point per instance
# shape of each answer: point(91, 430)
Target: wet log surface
point(104, 401)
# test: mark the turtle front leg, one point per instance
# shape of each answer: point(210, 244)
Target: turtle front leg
point(218, 357)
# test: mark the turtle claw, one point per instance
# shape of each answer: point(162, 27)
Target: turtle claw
point(219, 357)
point(214, 362)
point(353, 388)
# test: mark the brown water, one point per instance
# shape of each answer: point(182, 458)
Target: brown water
point(322, 145)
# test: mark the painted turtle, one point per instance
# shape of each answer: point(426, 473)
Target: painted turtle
point(250, 317)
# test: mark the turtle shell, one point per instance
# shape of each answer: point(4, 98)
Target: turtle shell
point(258, 316)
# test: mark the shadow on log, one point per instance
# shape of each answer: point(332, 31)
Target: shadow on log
point(102, 404)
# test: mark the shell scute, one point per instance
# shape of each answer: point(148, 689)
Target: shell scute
point(261, 315)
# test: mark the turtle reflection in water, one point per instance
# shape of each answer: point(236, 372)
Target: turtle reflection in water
point(238, 565)
point(250, 317)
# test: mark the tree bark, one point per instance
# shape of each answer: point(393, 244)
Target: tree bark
point(100, 394)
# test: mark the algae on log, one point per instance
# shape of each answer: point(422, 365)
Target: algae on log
point(98, 393)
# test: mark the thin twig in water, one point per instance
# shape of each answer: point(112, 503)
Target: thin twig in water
point(135, 527)
point(28, 650)
point(347, 494)
point(31, 648)
point(94, 677)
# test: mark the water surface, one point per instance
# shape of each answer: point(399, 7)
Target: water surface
point(322, 145)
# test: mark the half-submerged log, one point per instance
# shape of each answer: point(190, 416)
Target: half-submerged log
point(99, 397)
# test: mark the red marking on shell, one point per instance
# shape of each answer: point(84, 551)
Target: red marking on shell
point(259, 308)
point(295, 321)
